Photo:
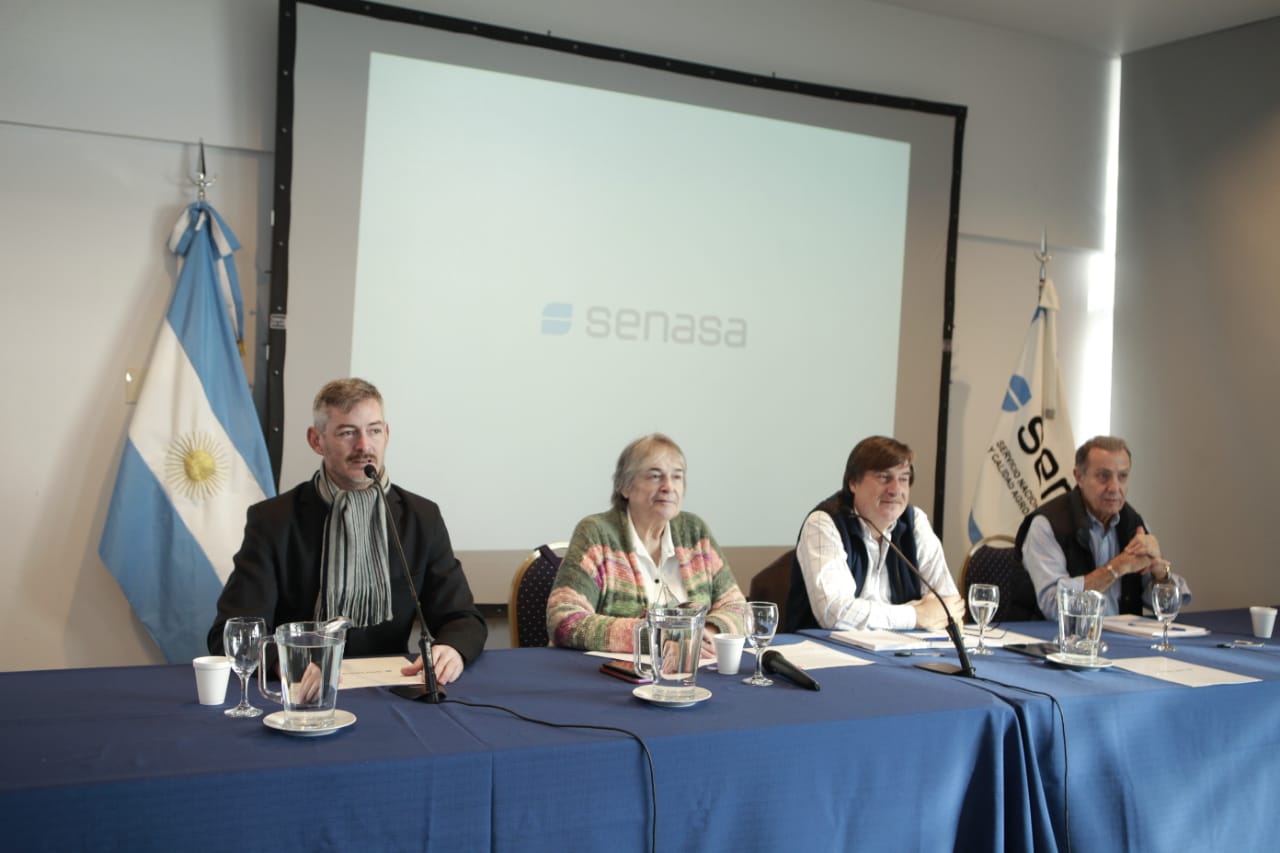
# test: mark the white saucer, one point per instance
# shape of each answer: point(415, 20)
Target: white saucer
point(645, 692)
point(277, 721)
point(1059, 659)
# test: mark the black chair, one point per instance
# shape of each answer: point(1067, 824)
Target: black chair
point(996, 560)
point(530, 589)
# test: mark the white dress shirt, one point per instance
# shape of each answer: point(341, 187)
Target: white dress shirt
point(667, 570)
point(833, 594)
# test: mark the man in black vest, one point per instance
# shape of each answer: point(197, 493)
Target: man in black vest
point(845, 575)
point(1091, 538)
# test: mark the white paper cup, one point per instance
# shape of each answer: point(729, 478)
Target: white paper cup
point(212, 674)
point(1264, 621)
point(728, 652)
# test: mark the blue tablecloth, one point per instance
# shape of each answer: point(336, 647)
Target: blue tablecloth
point(884, 757)
point(1148, 764)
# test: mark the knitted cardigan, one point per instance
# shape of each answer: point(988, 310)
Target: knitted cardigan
point(599, 593)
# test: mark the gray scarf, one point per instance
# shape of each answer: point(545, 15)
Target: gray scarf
point(357, 578)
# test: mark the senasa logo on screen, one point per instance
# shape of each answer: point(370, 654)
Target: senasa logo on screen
point(646, 326)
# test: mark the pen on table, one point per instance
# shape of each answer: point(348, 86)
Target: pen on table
point(918, 654)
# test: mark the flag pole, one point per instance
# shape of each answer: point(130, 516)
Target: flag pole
point(1048, 362)
point(1042, 255)
point(202, 181)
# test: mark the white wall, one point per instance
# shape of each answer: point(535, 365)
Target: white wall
point(101, 106)
point(1197, 349)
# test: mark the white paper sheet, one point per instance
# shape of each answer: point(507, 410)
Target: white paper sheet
point(1180, 672)
point(807, 654)
point(1141, 626)
point(375, 672)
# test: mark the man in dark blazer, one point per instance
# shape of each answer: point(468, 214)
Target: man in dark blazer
point(323, 549)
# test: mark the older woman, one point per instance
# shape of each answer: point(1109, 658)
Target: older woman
point(620, 561)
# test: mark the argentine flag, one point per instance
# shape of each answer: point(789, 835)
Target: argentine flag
point(1031, 455)
point(195, 458)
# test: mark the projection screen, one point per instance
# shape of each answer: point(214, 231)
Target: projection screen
point(540, 249)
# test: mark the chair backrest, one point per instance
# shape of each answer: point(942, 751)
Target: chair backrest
point(530, 589)
point(773, 583)
point(996, 560)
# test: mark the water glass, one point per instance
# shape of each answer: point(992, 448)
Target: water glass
point(1166, 600)
point(984, 600)
point(240, 638)
point(762, 621)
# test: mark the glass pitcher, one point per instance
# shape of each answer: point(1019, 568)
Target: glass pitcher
point(1079, 624)
point(674, 636)
point(310, 663)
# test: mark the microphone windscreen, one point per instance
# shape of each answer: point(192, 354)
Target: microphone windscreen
point(773, 661)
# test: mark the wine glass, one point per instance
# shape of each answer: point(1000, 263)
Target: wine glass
point(240, 640)
point(1166, 599)
point(984, 599)
point(762, 621)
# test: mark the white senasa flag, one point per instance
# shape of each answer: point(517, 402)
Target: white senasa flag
point(195, 458)
point(1032, 452)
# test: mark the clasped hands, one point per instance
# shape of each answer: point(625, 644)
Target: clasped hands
point(1142, 554)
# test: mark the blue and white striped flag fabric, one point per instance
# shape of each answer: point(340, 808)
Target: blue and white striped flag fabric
point(195, 458)
point(1031, 455)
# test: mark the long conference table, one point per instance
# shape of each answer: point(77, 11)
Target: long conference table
point(885, 757)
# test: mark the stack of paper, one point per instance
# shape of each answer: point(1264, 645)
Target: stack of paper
point(1140, 626)
point(878, 640)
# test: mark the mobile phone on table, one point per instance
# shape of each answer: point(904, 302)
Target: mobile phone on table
point(1037, 650)
point(624, 670)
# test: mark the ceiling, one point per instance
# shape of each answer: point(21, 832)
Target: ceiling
point(1110, 27)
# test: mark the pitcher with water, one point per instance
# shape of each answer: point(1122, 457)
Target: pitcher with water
point(668, 648)
point(1079, 624)
point(310, 663)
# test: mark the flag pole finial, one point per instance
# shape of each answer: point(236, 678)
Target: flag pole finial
point(202, 181)
point(1043, 256)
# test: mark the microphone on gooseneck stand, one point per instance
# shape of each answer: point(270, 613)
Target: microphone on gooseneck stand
point(429, 691)
point(773, 661)
point(953, 628)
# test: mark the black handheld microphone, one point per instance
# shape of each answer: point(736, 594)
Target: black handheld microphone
point(773, 661)
point(430, 691)
point(953, 628)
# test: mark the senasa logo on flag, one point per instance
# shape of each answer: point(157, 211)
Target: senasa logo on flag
point(1031, 451)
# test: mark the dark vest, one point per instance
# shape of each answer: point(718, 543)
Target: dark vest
point(903, 585)
point(1070, 523)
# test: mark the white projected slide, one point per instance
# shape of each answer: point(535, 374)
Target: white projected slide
point(546, 271)
point(542, 251)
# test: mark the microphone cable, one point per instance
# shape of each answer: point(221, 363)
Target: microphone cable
point(1062, 725)
point(432, 693)
point(653, 779)
point(967, 670)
